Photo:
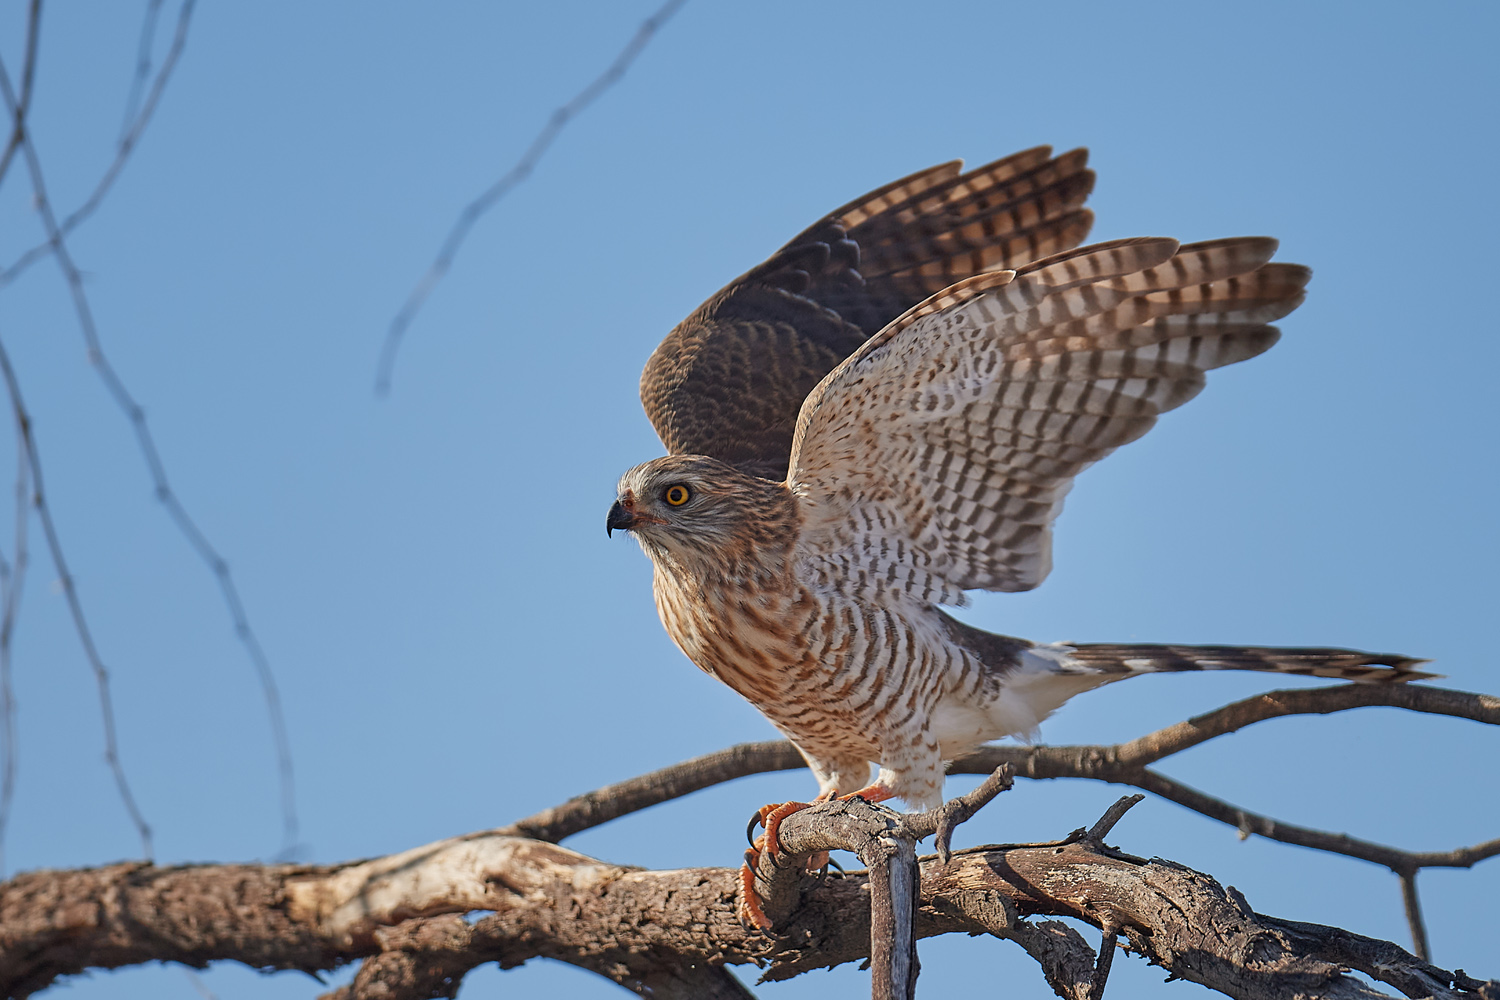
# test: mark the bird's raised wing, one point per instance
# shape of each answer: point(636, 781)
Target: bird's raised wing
point(935, 459)
point(730, 379)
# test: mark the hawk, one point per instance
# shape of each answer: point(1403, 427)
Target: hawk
point(888, 413)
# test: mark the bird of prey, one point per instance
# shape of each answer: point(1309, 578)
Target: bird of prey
point(887, 413)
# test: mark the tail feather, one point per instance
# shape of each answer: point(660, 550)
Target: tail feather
point(1342, 664)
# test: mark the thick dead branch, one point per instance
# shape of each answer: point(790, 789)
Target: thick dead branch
point(429, 958)
point(660, 928)
point(876, 835)
point(672, 931)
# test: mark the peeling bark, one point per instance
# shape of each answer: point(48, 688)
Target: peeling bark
point(667, 931)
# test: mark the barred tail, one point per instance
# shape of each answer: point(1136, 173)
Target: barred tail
point(1344, 664)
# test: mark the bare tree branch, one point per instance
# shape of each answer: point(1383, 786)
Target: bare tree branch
point(22, 107)
point(142, 66)
point(1123, 763)
point(1413, 904)
point(885, 841)
point(15, 580)
point(1306, 701)
point(1066, 960)
point(1096, 833)
point(1110, 935)
point(1247, 822)
point(514, 176)
point(15, 575)
point(584, 812)
point(429, 958)
point(636, 927)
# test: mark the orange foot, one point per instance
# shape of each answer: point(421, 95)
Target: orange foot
point(871, 794)
point(770, 817)
point(749, 904)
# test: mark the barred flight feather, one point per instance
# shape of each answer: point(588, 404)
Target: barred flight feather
point(1343, 664)
point(970, 364)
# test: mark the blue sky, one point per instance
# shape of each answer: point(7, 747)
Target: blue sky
point(456, 641)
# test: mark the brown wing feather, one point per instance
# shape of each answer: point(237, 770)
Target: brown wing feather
point(730, 379)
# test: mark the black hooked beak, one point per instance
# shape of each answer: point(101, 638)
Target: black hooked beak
point(619, 517)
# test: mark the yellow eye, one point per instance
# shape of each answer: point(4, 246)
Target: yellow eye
point(676, 495)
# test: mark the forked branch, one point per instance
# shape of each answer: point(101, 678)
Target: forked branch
point(672, 932)
point(655, 928)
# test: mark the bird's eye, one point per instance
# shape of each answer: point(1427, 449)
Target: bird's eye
point(676, 495)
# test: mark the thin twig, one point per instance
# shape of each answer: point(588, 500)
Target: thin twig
point(70, 591)
point(1413, 904)
point(147, 443)
point(39, 501)
point(1248, 822)
point(21, 108)
point(123, 150)
point(199, 986)
point(518, 173)
point(15, 578)
point(142, 67)
point(16, 572)
point(1305, 701)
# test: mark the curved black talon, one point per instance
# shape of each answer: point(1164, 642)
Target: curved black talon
point(750, 836)
point(750, 829)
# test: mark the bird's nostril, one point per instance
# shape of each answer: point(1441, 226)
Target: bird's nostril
point(619, 517)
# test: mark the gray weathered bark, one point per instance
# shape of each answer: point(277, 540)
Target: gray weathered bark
point(669, 931)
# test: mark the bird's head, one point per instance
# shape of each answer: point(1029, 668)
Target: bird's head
point(691, 508)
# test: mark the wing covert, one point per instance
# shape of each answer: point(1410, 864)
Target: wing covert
point(938, 455)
